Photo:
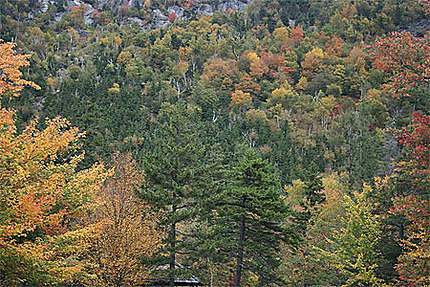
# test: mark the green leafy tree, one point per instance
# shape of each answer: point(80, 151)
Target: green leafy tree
point(356, 242)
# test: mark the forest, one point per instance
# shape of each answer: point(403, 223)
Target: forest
point(230, 143)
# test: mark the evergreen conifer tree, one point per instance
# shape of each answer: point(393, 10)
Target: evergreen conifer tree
point(250, 219)
point(177, 169)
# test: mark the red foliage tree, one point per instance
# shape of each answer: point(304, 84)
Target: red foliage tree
point(334, 46)
point(415, 140)
point(426, 4)
point(188, 4)
point(172, 16)
point(406, 59)
point(412, 176)
point(247, 85)
point(296, 35)
point(276, 65)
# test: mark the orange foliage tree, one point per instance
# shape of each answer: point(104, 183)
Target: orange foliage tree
point(10, 75)
point(41, 194)
point(220, 73)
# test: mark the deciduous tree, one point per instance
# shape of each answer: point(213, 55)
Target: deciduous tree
point(406, 59)
point(42, 195)
point(10, 78)
point(128, 228)
point(412, 179)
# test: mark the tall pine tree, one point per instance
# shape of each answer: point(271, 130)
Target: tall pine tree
point(250, 218)
point(177, 169)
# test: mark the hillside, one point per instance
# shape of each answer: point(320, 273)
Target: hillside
point(265, 142)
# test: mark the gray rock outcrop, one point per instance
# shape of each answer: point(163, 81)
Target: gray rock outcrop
point(159, 18)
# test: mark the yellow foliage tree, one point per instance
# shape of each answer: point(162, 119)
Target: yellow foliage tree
point(281, 36)
point(124, 57)
point(324, 108)
point(42, 196)
point(340, 246)
point(284, 95)
point(128, 229)
point(240, 100)
point(312, 61)
point(302, 84)
point(115, 89)
point(308, 265)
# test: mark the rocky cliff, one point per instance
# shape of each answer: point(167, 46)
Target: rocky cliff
point(157, 13)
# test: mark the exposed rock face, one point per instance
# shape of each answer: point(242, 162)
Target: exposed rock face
point(179, 11)
point(159, 18)
point(205, 9)
point(44, 5)
point(233, 5)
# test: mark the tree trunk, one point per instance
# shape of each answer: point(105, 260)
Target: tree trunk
point(172, 263)
point(240, 252)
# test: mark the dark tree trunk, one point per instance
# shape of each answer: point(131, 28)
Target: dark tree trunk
point(172, 261)
point(240, 252)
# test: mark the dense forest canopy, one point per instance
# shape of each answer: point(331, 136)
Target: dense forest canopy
point(243, 143)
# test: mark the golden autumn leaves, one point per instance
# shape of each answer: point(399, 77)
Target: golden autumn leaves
point(58, 224)
point(128, 228)
point(10, 75)
point(40, 189)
